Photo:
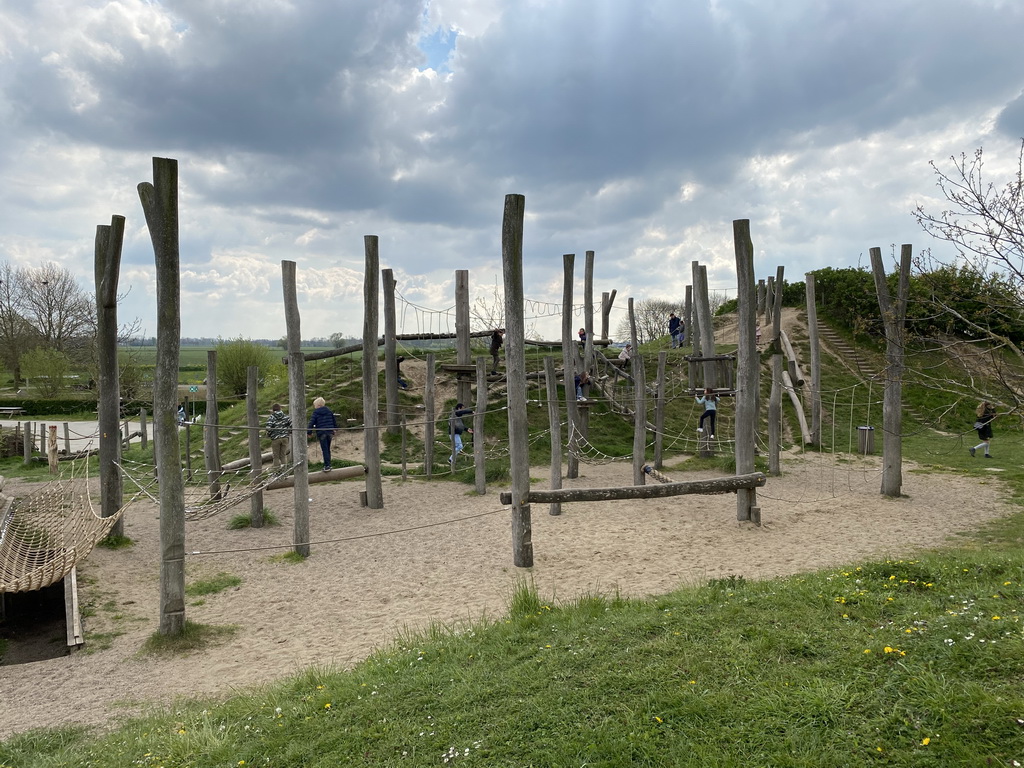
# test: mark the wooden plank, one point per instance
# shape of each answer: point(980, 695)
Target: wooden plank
point(717, 485)
point(75, 636)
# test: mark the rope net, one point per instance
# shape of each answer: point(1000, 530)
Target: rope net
point(44, 535)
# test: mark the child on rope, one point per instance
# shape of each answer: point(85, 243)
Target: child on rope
point(710, 402)
point(456, 427)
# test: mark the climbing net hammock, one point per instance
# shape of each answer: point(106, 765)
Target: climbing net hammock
point(207, 493)
point(44, 535)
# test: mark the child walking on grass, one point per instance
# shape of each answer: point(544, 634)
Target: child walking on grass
point(985, 412)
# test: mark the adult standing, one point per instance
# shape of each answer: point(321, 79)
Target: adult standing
point(496, 342)
point(985, 413)
point(675, 326)
point(321, 426)
point(279, 430)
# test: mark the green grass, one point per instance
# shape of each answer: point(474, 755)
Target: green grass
point(915, 662)
point(211, 586)
point(194, 638)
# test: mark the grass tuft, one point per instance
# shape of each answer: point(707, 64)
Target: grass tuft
point(194, 637)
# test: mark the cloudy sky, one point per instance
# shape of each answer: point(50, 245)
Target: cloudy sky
point(638, 130)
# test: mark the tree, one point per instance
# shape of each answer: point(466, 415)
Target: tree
point(15, 331)
point(47, 369)
point(985, 224)
point(61, 313)
point(234, 358)
point(651, 320)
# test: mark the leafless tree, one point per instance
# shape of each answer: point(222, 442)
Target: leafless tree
point(651, 319)
point(61, 312)
point(16, 332)
point(985, 224)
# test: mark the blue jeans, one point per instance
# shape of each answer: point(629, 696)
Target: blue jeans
point(325, 449)
point(458, 446)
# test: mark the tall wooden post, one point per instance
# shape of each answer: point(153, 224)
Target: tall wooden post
point(109, 241)
point(252, 418)
point(639, 404)
point(696, 319)
point(812, 332)
point(588, 312)
point(687, 314)
point(211, 434)
point(748, 364)
point(390, 357)
point(429, 416)
point(479, 449)
point(297, 410)
point(554, 419)
point(371, 419)
point(774, 310)
point(160, 204)
point(607, 300)
point(515, 365)
point(706, 326)
point(462, 348)
point(142, 428)
point(51, 449)
point(569, 358)
point(894, 317)
point(659, 410)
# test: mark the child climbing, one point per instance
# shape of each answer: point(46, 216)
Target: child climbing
point(710, 402)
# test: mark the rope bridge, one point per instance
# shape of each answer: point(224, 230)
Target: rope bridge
point(45, 534)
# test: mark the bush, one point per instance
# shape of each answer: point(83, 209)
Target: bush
point(233, 360)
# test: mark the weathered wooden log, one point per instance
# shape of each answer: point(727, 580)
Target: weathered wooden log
point(717, 485)
point(791, 360)
point(341, 473)
point(787, 384)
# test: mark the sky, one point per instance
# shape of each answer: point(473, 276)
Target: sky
point(639, 131)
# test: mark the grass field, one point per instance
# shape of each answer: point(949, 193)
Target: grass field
point(915, 662)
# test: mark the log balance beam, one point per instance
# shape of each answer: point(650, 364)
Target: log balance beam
point(717, 485)
point(342, 473)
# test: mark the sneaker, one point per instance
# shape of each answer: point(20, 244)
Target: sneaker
point(326, 469)
point(700, 430)
point(712, 437)
point(972, 450)
point(988, 456)
point(581, 399)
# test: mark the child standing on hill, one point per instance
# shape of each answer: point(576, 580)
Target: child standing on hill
point(710, 402)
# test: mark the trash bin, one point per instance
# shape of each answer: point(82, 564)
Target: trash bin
point(866, 440)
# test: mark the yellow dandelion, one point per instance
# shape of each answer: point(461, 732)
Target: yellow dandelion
point(327, 705)
point(926, 741)
point(181, 730)
point(867, 650)
point(996, 618)
point(888, 649)
point(693, 682)
point(658, 719)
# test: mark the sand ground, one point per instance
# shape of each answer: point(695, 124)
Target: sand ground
point(438, 552)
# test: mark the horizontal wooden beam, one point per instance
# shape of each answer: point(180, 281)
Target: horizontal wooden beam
point(716, 485)
point(342, 473)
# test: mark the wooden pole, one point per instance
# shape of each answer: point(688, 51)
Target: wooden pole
point(515, 366)
point(556, 430)
point(338, 473)
point(371, 419)
point(107, 267)
point(659, 410)
point(67, 439)
point(569, 358)
point(51, 449)
point(707, 328)
point(812, 331)
point(748, 364)
point(405, 471)
point(639, 404)
point(607, 300)
point(894, 317)
point(429, 417)
point(390, 356)
point(211, 434)
point(695, 320)
point(462, 349)
point(160, 204)
point(297, 410)
point(775, 399)
point(479, 449)
point(252, 418)
point(663, 491)
point(143, 428)
point(588, 312)
point(687, 315)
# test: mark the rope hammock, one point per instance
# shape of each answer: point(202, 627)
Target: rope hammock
point(211, 494)
point(44, 535)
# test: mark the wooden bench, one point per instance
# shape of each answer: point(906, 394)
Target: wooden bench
point(9, 411)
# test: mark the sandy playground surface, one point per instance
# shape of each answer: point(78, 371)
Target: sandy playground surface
point(438, 552)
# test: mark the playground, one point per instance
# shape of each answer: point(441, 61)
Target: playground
point(440, 554)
